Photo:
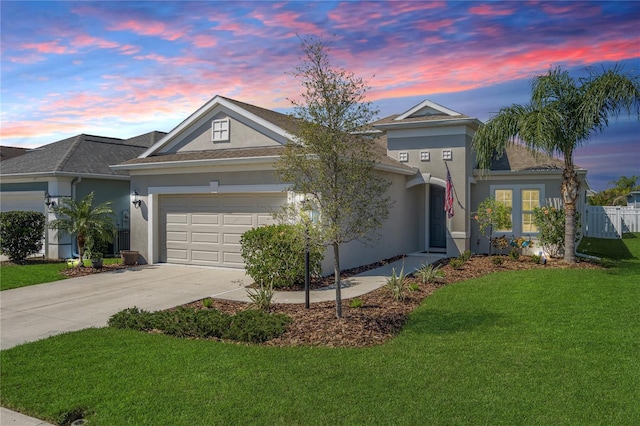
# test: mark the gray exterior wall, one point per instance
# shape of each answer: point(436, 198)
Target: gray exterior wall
point(401, 234)
point(241, 135)
point(117, 192)
point(456, 139)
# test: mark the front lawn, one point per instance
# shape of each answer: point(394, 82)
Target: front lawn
point(35, 272)
point(552, 346)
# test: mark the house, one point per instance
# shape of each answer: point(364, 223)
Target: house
point(212, 177)
point(633, 199)
point(71, 167)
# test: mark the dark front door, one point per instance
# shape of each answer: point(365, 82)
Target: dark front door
point(437, 221)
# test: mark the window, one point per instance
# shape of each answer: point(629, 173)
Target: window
point(403, 157)
point(505, 196)
point(425, 156)
point(530, 201)
point(220, 130)
point(447, 155)
point(522, 199)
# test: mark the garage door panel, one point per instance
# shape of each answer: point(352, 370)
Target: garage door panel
point(206, 229)
point(205, 237)
point(208, 256)
point(176, 254)
point(208, 219)
point(176, 236)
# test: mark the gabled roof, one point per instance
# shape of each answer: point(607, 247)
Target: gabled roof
point(249, 155)
point(281, 124)
point(519, 158)
point(425, 114)
point(7, 152)
point(79, 155)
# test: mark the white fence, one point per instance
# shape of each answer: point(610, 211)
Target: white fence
point(611, 222)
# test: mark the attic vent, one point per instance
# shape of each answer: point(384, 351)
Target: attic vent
point(220, 130)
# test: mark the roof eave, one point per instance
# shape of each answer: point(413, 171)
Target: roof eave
point(473, 122)
point(196, 163)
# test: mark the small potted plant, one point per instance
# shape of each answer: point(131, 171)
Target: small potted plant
point(96, 259)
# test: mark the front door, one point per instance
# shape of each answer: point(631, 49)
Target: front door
point(437, 221)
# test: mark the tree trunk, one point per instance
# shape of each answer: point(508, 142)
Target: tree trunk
point(336, 270)
point(570, 187)
point(81, 241)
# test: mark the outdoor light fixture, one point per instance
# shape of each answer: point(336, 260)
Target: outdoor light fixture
point(47, 200)
point(134, 199)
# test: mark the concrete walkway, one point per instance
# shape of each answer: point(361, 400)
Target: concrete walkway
point(31, 313)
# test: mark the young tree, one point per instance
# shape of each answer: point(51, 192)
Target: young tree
point(84, 220)
point(616, 196)
point(331, 163)
point(562, 115)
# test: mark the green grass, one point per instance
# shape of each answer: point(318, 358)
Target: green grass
point(528, 347)
point(15, 276)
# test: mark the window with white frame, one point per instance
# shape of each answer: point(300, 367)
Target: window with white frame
point(403, 156)
point(522, 199)
point(220, 130)
point(425, 156)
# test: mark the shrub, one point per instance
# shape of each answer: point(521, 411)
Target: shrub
point(274, 254)
point(207, 303)
point(397, 285)
point(248, 326)
point(261, 297)
point(456, 263)
point(356, 303)
point(414, 287)
point(132, 318)
point(21, 234)
point(429, 273)
point(492, 215)
point(497, 260)
point(514, 254)
point(535, 258)
point(256, 326)
point(466, 255)
point(551, 226)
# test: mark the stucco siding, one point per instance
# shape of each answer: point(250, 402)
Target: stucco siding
point(401, 233)
point(241, 135)
point(117, 192)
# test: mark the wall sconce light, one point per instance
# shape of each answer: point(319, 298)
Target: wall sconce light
point(135, 200)
point(47, 200)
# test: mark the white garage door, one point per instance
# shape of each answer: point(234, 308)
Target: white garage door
point(206, 229)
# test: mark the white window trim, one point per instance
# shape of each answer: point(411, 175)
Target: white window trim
point(403, 156)
point(425, 156)
point(225, 129)
point(516, 211)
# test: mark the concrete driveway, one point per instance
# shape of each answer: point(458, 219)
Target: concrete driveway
point(35, 312)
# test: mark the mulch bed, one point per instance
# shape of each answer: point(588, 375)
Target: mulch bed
point(379, 318)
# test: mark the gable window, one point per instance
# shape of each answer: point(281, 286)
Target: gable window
point(425, 156)
point(403, 157)
point(220, 130)
point(522, 199)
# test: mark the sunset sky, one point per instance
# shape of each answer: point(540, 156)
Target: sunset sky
point(120, 68)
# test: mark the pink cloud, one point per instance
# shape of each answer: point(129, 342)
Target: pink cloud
point(47, 47)
point(148, 28)
point(435, 26)
point(85, 40)
point(486, 9)
point(204, 41)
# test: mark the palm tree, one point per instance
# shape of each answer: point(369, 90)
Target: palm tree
point(624, 186)
point(84, 220)
point(562, 115)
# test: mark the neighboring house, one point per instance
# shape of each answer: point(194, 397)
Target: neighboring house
point(71, 167)
point(7, 152)
point(633, 199)
point(212, 178)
